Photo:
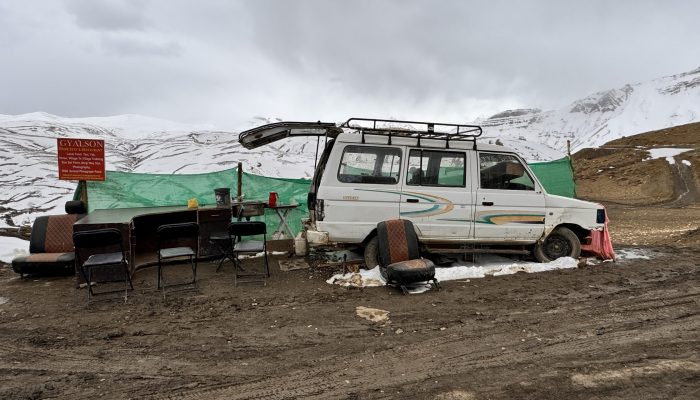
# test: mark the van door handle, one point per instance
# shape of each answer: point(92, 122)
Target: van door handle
point(411, 200)
point(487, 203)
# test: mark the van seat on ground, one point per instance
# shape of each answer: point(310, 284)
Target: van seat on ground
point(51, 244)
point(399, 255)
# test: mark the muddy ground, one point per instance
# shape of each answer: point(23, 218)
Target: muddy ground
point(628, 330)
point(624, 330)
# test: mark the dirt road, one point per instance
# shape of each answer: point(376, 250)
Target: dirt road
point(629, 330)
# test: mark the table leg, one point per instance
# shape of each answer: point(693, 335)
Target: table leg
point(285, 217)
point(283, 226)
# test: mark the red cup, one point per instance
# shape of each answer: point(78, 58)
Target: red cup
point(272, 200)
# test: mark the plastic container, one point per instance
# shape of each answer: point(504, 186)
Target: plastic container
point(272, 199)
point(300, 246)
point(223, 197)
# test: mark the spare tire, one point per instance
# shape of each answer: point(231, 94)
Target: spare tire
point(372, 253)
point(561, 242)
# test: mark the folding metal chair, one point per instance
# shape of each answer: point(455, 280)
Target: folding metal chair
point(223, 242)
point(171, 251)
point(238, 230)
point(110, 239)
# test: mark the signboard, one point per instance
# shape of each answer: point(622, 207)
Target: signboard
point(81, 159)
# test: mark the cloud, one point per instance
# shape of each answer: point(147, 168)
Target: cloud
point(224, 62)
point(543, 51)
point(109, 15)
point(139, 46)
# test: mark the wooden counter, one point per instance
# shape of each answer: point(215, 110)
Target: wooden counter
point(139, 225)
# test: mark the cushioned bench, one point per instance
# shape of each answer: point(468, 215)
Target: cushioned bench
point(51, 244)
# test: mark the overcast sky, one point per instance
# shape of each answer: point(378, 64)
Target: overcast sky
point(223, 62)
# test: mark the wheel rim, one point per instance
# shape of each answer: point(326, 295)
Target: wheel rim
point(556, 246)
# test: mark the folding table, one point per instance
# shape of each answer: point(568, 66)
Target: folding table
point(282, 211)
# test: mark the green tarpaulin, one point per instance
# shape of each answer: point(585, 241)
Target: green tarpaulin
point(556, 176)
point(124, 189)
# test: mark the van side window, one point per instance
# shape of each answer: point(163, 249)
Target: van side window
point(435, 168)
point(503, 171)
point(370, 164)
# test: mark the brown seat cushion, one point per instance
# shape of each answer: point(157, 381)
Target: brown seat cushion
point(397, 241)
point(399, 253)
point(406, 272)
point(45, 263)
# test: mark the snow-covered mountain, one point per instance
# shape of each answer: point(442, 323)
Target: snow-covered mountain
point(29, 172)
point(28, 177)
point(604, 116)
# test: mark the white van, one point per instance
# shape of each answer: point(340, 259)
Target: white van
point(462, 196)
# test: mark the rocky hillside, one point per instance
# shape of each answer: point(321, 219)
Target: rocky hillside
point(657, 167)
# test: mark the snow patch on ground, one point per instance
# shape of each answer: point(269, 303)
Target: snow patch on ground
point(3, 300)
point(488, 265)
point(666, 152)
point(686, 162)
point(632, 254)
point(11, 247)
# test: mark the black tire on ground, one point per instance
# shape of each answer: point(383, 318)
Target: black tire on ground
point(372, 253)
point(561, 242)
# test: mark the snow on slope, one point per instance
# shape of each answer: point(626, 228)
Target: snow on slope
point(28, 177)
point(604, 116)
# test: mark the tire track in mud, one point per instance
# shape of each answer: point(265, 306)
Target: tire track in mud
point(441, 360)
point(684, 187)
point(324, 382)
point(625, 318)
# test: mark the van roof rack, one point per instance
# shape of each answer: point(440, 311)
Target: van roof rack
point(415, 129)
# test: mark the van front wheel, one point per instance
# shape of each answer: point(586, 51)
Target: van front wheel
point(562, 242)
point(372, 253)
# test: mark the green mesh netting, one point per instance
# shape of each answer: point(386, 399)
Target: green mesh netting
point(124, 189)
point(556, 176)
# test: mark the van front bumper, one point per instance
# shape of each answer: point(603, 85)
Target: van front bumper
point(317, 238)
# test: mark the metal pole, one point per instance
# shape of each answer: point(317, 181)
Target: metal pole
point(239, 184)
point(318, 141)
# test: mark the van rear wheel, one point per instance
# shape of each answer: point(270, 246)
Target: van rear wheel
point(372, 253)
point(562, 242)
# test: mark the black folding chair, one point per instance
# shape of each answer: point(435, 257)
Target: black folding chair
point(102, 239)
point(171, 251)
point(238, 230)
point(223, 242)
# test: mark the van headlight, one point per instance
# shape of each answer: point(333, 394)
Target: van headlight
point(600, 216)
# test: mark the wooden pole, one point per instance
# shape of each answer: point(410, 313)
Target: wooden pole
point(239, 184)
